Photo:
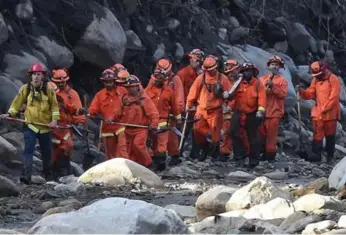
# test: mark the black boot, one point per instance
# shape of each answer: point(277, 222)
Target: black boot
point(214, 151)
point(253, 161)
point(175, 160)
point(196, 149)
point(316, 154)
point(224, 157)
point(263, 157)
point(159, 161)
point(271, 157)
point(330, 147)
point(26, 173)
point(203, 154)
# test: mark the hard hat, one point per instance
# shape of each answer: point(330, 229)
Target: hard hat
point(164, 65)
point(210, 63)
point(276, 59)
point(132, 80)
point(60, 75)
point(107, 75)
point(36, 67)
point(247, 66)
point(231, 65)
point(122, 76)
point(197, 54)
point(318, 67)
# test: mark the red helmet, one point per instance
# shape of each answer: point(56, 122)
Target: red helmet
point(276, 59)
point(132, 80)
point(164, 65)
point(122, 76)
point(231, 65)
point(317, 68)
point(60, 75)
point(36, 67)
point(210, 63)
point(107, 75)
point(117, 67)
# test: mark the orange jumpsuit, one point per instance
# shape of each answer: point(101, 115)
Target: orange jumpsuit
point(139, 110)
point(109, 105)
point(177, 86)
point(326, 112)
point(275, 108)
point(164, 100)
point(248, 98)
point(69, 103)
point(209, 108)
point(187, 75)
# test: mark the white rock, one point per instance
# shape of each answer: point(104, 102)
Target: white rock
point(313, 202)
point(240, 176)
point(342, 222)
point(24, 10)
point(259, 191)
point(113, 215)
point(74, 188)
point(222, 33)
point(68, 179)
point(237, 213)
point(276, 175)
point(119, 171)
point(277, 208)
point(213, 201)
point(320, 227)
point(8, 231)
point(337, 178)
point(183, 211)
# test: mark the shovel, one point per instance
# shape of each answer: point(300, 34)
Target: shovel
point(302, 151)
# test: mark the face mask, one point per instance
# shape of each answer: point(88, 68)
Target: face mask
point(274, 70)
point(247, 75)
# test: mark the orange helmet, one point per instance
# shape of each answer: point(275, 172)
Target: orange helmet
point(210, 63)
point(317, 68)
point(132, 80)
point(164, 66)
point(276, 59)
point(37, 67)
point(122, 76)
point(231, 65)
point(117, 67)
point(107, 75)
point(249, 65)
point(59, 75)
point(196, 54)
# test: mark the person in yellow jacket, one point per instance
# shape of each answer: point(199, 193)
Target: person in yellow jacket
point(41, 106)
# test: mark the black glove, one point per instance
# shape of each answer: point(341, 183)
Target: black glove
point(269, 84)
point(298, 88)
point(82, 111)
point(152, 131)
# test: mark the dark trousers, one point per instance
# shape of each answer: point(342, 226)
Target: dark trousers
point(45, 141)
point(251, 127)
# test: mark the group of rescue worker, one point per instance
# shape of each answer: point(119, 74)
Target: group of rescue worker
point(230, 111)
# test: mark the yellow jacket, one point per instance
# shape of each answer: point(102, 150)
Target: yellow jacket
point(45, 110)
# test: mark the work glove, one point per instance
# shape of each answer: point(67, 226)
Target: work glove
point(4, 116)
point(298, 88)
point(260, 115)
point(269, 84)
point(226, 95)
point(152, 130)
point(179, 126)
point(81, 111)
point(80, 127)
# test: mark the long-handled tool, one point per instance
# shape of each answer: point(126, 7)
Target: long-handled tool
point(302, 150)
point(182, 140)
point(38, 123)
point(88, 157)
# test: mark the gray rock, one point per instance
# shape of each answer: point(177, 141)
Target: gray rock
point(9, 231)
point(298, 37)
point(76, 169)
point(130, 6)
point(24, 10)
point(7, 151)
point(183, 211)
point(295, 217)
point(313, 202)
point(133, 41)
point(8, 90)
point(300, 225)
point(3, 30)
point(233, 22)
point(16, 138)
point(74, 203)
point(182, 171)
point(36, 179)
point(159, 52)
point(281, 46)
point(114, 215)
point(104, 40)
point(173, 23)
point(319, 227)
point(239, 34)
point(56, 210)
point(7, 188)
point(44, 207)
point(213, 201)
point(318, 172)
point(72, 188)
point(179, 52)
point(276, 175)
point(222, 33)
point(68, 179)
point(240, 176)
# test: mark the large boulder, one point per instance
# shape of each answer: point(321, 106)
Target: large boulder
point(120, 171)
point(3, 30)
point(259, 191)
point(8, 90)
point(337, 178)
point(213, 201)
point(113, 215)
point(24, 10)
point(299, 38)
point(7, 188)
point(260, 57)
point(16, 138)
point(312, 202)
point(7, 151)
point(104, 40)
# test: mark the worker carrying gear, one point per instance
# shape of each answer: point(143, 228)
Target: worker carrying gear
point(69, 105)
point(205, 93)
point(163, 96)
point(248, 112)
point(188, 74)
point(139, 109)
point(276, 88)
point(325, 89)
point(42, 107)
point(163, 70)
point(108, 104)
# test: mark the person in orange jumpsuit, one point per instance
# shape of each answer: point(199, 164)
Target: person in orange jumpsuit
point(325, 89)
point(188, 74)
point(206, 91)
point(163, 96)
point(108, 104)
point(248, 112)
point(164, 67)
point(232, 68)
point(69, 106)
point(276, 88)
point(139, 109)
